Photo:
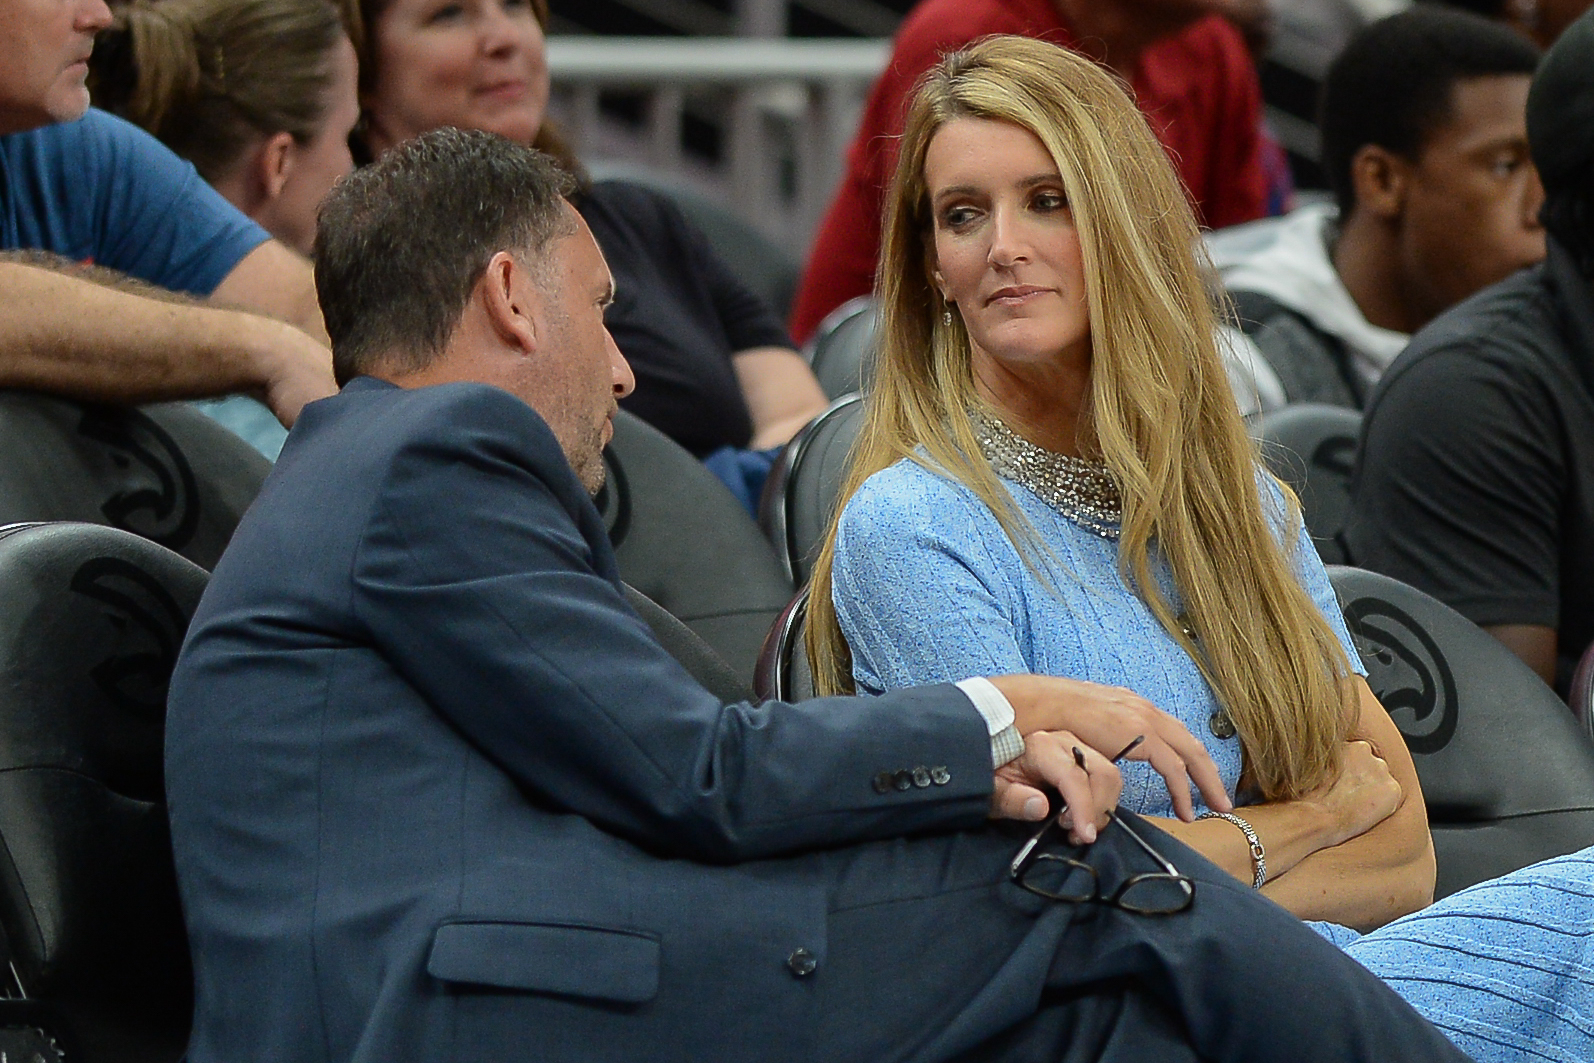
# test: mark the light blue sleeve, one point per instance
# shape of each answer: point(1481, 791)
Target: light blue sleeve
point(920, 586)
point(1308, 566)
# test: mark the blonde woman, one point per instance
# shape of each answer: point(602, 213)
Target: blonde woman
point(1052, 477)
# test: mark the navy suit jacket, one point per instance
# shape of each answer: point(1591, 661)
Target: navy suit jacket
point(434, 786)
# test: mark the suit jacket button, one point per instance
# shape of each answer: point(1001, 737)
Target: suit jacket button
point(883, 783)
point(939, 775)
point(802, 963)
point(903, 780)
point(921, 776)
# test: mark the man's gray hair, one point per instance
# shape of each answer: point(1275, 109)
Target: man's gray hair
point(400, 244)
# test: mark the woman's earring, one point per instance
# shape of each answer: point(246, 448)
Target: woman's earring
point(946, 316)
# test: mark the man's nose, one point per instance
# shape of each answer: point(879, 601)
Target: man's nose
point(1532, 199)
point(619, 369)
point(93, 16)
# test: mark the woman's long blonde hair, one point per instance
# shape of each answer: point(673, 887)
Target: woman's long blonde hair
point(1159, 404)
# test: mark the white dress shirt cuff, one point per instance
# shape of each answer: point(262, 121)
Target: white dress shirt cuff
point(1006, 743)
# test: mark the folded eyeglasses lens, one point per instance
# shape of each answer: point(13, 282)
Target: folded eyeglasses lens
point(1059, 877)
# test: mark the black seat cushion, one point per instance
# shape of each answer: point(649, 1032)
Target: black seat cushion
point(166, 472)
point(695, 655)
point(88, 898)
point(800, 495)
point(843, 356)
point(1507, 772)
point(681, 538)
point(1312, 448)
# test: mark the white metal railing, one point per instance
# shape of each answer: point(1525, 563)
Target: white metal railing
point(796, 100)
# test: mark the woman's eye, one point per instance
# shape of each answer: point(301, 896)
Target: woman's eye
point(958, 217)
point(448, 13)
point(1049, 201)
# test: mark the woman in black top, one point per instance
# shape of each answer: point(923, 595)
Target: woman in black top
point(714, 366)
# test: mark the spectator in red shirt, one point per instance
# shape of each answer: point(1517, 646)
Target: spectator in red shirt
point(1191, 74)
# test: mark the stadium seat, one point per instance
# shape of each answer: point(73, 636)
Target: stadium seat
point(695, 655)
point(1507, 772)
point(842, 351)
point(166, 472)
point(783, 673)
point(88, 899)
point(752, 256)
point(683, 540)
point(1312, 448)
point(800, 495)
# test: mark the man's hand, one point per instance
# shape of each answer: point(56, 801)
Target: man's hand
point(1106, 719)
point(295, 369)
point(1090, 790)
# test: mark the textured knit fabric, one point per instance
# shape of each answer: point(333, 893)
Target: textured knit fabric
point(102, 190)
point(679, 316)
point(928, 588)
point(1506, 968)
point(1197, 88)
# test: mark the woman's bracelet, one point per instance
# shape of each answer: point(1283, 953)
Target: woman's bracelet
point(1258, 854)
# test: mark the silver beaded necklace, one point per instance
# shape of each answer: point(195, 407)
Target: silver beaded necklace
point(1081, 490)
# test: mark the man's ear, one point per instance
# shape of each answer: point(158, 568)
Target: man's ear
point(508, 295)
point(274, 161)
point(1380, 178)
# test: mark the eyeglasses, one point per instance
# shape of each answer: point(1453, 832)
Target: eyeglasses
point(1066, 878)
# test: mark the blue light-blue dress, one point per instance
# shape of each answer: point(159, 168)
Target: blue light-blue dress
point(928, 588)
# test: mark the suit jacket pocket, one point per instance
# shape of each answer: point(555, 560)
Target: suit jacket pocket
point(580, 961)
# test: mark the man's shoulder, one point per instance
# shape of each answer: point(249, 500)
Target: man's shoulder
point(1510, 327)
point(373, 430)
point(85, 140)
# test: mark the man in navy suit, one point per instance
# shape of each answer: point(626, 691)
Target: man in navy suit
point(437, 794)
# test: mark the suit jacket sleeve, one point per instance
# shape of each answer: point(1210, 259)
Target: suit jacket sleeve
point(476, 582)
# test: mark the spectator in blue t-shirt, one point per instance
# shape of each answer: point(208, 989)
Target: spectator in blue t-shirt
point(94, 189)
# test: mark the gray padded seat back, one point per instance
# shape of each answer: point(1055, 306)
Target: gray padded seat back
point(683, 540)
point(800, 495)
point(783, 672)
point(842, 355)
point(166, 472)
point(761, 264)
point(1507, 772)
point(695, 655)
point(1312, 448)
point(93, 622)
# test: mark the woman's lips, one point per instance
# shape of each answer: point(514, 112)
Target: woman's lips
point(1017, 295)
point(504, 91)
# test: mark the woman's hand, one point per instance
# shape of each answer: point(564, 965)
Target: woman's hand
point(1363, 796)
point(1107, 719)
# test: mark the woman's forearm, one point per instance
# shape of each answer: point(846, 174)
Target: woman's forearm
point(1290, 831)
point(1383, 873)
point(1368, 881)
point(1323, 866)
point(1363, 883)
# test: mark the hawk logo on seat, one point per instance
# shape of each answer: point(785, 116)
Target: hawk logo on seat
point(160, 500)
point(150, 627)
point(1407, 671)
